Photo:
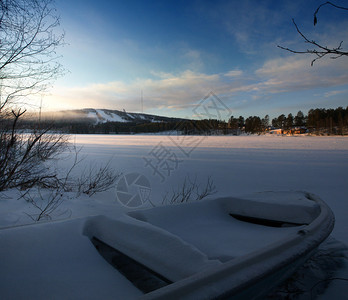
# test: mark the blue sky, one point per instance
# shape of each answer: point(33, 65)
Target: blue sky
point(176, 52)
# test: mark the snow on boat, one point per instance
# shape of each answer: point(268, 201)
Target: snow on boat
point(222, 248)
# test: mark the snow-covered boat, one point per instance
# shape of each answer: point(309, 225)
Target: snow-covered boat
point(236, 248)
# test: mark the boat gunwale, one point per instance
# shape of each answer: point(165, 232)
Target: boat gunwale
point(223, 280)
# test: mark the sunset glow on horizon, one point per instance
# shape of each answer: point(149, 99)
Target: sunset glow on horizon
point(171, 54)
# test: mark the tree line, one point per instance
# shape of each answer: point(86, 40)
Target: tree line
point(317, 121)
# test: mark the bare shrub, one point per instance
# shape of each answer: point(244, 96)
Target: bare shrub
point(29, 38)
point(23, 156)
point(190, 190)
point(46, 201)
point(64, 185)
point(28, 62)
point(313, 277)
point(96, 179)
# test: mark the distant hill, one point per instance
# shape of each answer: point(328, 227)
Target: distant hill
point(100, 116)
point(90, 121)
point(106, 115)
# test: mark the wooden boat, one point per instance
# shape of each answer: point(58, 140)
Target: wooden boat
point(235, 248)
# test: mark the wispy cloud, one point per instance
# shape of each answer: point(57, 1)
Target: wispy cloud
point(165, 91)
point(234, 73)
point(193, 60)
point(174, 92)
point(334, 93)
point(294, 74)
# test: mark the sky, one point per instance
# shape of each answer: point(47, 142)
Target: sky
point(174, 53)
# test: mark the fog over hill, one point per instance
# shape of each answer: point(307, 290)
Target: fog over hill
point(98, 116)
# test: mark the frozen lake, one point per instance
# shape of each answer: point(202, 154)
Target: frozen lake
point(237, 164)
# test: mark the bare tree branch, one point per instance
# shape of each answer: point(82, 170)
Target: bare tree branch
point(318, 50)
point(323, 4)
point(28, 43)
point(28, 61)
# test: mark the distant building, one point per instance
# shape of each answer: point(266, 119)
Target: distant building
point(299, 130)
point(276, 131)
point(295, 130)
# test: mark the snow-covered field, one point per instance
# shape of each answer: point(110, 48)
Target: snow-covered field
point(238, 165)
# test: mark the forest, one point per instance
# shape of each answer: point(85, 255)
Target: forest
point(318, 121)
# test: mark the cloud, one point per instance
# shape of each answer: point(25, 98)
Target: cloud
point(234, 73)
point(279, 66)
point(294, 74)
point(334, 93)
point(194, 60)
point(179, 92)
point(166, 90)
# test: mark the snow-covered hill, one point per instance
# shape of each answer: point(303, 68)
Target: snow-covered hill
point(104, 115)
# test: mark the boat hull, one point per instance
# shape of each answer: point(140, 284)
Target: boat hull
point(254, 275)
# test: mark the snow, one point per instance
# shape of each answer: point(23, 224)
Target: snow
point(109, 117)
point(299, 209)
point(163, 252)
point(38, 255)
point(56, 261)
point(100, 115)
point(239, 165)
point(131, 116)
point(92, 115)
point(204, 226)
point(104, 116)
